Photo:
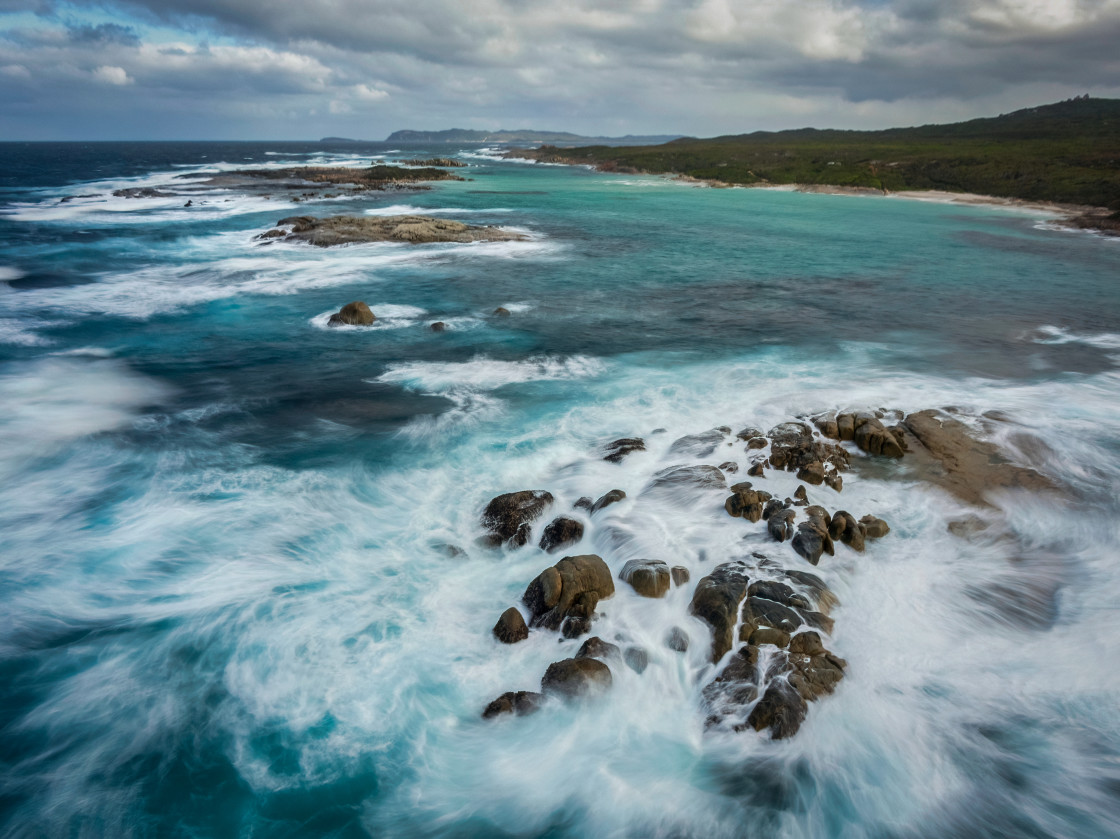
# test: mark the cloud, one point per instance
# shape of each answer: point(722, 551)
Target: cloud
point(112, 75)
point(597, 66)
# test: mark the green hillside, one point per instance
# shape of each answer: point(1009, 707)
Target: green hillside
point(1068, 152)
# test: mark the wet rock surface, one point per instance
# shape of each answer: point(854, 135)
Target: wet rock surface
point(574, 678)
point(352, 314)
point(413, 230)
point(648, 577)
point(508, 517)
point(566, 589)
point(562, 532)
point(617, 450)
point(519, 703)
point(511, 627)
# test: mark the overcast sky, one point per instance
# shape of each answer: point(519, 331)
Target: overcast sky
point(303, 69)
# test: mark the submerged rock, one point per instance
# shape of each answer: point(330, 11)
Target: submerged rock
point(677, 640)
point(698, 445)
point(612, 497)
point(502, 312)
point(356, 313)
point(688, 477)
point(596, 647)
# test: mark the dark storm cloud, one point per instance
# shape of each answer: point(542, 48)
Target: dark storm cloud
point(104, 33)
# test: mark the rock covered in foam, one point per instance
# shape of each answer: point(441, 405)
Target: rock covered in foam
point(574, 678)
point(508, 517)
point(356, 313)
point(648, 577)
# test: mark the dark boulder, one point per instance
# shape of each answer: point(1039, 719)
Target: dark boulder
point(748, 433)
point(746, 502)
point(812, 473)
point(816, 587)
point(871, 436)
point(680, 575)
point(768, 635)
point(519, 703)
point(793, 448)
point(757, 470)
point(584, 503)
point(636, 659)
point(573, 678)
point(502, 312)
point(812, 539)
point(874, 528)
point(438, 326)
point(756, 443)
point(780, 525)
point(716, 601)
point(779, 593)
point(612, 497)
point(687, 477)
point(508, 516)
point(730, 467)
point(761, 612)
point(578, 620)
point(648, 577)
point(511, 627)
point(561, 532)
point(556, 592)
point(352, 314)
point(618, 449)
point(845, 529)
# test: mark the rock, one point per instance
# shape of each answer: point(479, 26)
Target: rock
point(748, 433)
point(756, 443)
point(519, 703)
point(834, 480)
point(801, 495)
point(274, 233)
point(438, 326)
point(870, 435)
point(511, 627)
point(716, 601)
point(596, 647)
point(874, 528)
point(562, 532)
point(618, 449)
point(806, 643)
point(761, 612)
point(768, 635)
point(792, 448)
point(555, 593)
point(680, 575)
point(502, 312)
point(698, 477)
point(584, 503)
point(970, 468)
point(828, 427)
point(781, 710)
point(812, 473)
point(436, 161)
point(816, 511)
point(812, 539)
point(778, 592)
point(636, 659)
point(846, 426)
point(844, 528)
point(730, 467)
point(772, 506)
point(677, 640)
point(352, 314)
point(141, 192)
point(574, 627)
point(757, 470)
point(415, 230)
point(697, 445)
point(820, 592)
point(648, 577)
point(508, 516)
point(573, 678)
point(746, 503)
point(780, 525)
point(612, 497)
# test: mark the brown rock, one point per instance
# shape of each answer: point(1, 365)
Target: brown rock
point(781, 710)
point(596, 647)
point(680, 575)
point(343, 230)
point(618, 449)
point(520, 703)
point(612, 497)
point(511, 627)
point(757, 470)
point(573, 678)
point(356, 313)
point(502, 312)
point(874, 528)
point(555, 593)
point(508, 516)
point(716, 601)
point(812, 473)
point(438, 326)
point(562, 532)
point(648, 577)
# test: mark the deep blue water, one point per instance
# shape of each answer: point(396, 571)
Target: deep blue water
point(227, 608)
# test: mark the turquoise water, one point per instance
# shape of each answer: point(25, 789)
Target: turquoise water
point(228, 606)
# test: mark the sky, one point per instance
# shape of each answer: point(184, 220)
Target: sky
point(304, 69)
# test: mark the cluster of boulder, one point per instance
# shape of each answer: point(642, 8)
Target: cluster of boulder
point(769, 624)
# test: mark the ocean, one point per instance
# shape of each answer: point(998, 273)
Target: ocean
point(243, 591)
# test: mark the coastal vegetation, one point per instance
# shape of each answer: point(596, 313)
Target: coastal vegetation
point(1067, 152)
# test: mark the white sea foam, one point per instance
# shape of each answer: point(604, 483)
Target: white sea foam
point(9, 273)
point(21, 332)
point(410, 209)
point(483, 373)
point(1058, 335)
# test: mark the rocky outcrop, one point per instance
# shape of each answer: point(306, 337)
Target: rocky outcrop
point(970, 467)
point(574, 678)
point(699, 445)
point(812, 539)
point(445, 162)
point(794, 449)
point(746, 502)
point(716, 601)
point(414, 230)
point(562, 532)
point(596, 647)
point(866, 431)
point(520, 703)
point(141, 192)
point(508, 517)
point(566, 590)
point(353, 314)
point(511, 627)
point(648, 577)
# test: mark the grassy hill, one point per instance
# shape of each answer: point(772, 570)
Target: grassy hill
point(1068, 152)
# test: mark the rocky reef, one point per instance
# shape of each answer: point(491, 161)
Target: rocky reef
point(767, 656)
point(413, 230)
